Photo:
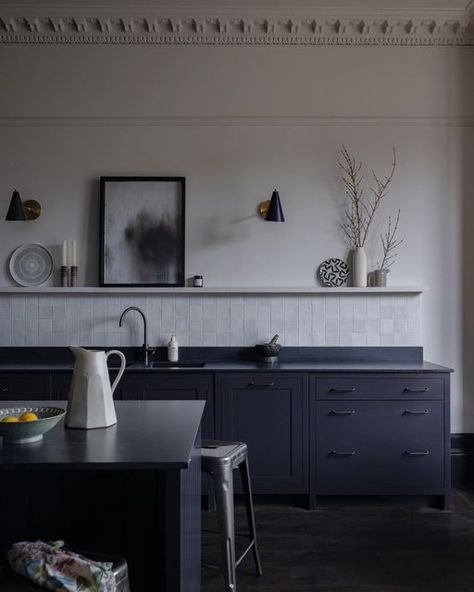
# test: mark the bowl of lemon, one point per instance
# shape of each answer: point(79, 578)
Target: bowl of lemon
point(23, 425)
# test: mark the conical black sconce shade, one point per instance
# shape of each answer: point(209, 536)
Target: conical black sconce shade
point(275, 211)
point(15, 210)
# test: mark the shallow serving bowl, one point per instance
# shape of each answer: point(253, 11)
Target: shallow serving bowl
point(25, 432)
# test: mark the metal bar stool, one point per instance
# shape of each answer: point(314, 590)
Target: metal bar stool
point(219, 459)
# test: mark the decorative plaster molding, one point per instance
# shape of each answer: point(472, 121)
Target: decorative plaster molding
point(414, 28)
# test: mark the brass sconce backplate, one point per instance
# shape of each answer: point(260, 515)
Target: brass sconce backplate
point(263, 208)
point(32, 209)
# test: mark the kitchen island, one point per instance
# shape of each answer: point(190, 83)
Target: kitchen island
point(131, 490)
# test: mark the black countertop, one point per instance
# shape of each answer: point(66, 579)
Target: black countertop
point(237, 366)
point(148, 434)
point(234, 359)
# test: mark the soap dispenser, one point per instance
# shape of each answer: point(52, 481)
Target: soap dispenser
point(172, 349)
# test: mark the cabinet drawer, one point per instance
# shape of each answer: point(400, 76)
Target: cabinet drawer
point(356, 387)
point(367, 467)
point(264, 381)
point(163, 387)
point(378, 421)
point(25, 387)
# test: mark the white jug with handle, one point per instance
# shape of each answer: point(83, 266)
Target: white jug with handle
point(91, 403)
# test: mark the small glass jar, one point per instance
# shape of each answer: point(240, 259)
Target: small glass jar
point(198, 281)
point(380, 278)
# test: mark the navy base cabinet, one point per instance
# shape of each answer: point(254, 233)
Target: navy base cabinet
point(380, 435)
point(267, 411)
point(32, 386)
point(169, 386)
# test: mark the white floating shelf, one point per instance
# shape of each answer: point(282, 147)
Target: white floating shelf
point(214, 290)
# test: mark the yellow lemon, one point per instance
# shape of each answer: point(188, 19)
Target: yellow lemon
point(10, 419)
point(28, 416)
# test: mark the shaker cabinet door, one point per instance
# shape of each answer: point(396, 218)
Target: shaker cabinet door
point(28, 386)
point(174, 387)
point(269, 413)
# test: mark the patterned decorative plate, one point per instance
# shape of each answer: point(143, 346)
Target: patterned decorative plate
point(333, 272)
point(31, 265)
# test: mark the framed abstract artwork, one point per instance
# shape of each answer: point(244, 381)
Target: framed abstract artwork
point(142, 231)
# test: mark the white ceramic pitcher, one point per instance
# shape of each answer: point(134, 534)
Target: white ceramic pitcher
point(91, 404)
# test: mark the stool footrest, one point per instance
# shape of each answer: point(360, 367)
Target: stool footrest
point(237, 562)
point(246, 535)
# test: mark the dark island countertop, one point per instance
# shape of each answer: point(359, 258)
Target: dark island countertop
point(148, 434)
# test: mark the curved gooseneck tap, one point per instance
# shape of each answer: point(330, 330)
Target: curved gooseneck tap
point(145, 347)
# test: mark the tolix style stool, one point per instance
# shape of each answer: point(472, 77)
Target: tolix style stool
point(219, 459)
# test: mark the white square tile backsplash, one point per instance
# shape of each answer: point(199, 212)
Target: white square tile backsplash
point(209, 320)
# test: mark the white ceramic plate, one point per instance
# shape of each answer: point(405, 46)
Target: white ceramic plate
point(31, 265)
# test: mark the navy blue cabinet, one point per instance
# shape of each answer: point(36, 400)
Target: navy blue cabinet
point(61, 383)
point(31, 386)
point(380, 434)
point(169, 386)
point(326, 433)
point(268, 411)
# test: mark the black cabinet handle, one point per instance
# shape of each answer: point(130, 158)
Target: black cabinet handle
point(416, 390)
point(348, 412)
point(411, 412)
point(342, 453)
point(261, 384)
point(4, 388)
point(416, 453)
point(342, 390)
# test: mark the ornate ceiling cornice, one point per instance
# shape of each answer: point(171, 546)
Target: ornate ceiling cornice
point(413, 27)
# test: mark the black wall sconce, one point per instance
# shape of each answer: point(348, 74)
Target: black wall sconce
point(19, 210)
point(271, 209)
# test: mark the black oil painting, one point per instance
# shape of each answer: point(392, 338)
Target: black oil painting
point(142, 231)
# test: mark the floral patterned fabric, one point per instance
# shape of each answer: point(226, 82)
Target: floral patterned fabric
point(50, 566)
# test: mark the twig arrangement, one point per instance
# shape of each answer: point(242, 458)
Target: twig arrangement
point(390, 243)
point(360, 211)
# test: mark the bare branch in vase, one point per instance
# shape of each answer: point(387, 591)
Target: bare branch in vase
point(360, 211)
point(390, 243)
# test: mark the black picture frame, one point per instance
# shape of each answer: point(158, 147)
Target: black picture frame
point(171, 232)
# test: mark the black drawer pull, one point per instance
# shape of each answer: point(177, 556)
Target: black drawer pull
point(262, 384)
point(342, 390)
point(342, 453)
point(416, 453)
point(425, 389)
point(411, 412)
point(348, 412)
point(4, 388)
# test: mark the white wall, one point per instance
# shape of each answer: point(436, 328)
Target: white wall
point(238, 121)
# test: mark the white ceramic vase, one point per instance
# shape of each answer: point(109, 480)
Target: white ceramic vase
point(359, 268)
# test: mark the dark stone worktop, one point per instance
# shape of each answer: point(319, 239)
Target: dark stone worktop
point(237, 366)
point(234, 359)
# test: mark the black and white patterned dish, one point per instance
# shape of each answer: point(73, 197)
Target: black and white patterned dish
point(333, 272)
point(31, 265)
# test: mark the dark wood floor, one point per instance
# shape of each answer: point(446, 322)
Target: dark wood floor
point(357, 546)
